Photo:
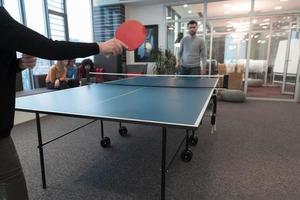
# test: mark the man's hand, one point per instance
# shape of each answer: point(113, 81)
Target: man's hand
point(177, 65)
point(27, 61)
point(111, 47)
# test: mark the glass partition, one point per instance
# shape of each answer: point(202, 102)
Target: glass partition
point(274, 34)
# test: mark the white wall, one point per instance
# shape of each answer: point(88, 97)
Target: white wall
point(21, 117)
point(148, 15)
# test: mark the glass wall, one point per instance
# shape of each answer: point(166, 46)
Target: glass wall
point(274, 57)
point(270, 67)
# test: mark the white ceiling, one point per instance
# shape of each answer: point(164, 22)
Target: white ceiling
point(218, 8)
point(236, 7)
point(149, 2)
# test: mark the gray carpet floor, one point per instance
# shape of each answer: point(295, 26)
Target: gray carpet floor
point(254, 155)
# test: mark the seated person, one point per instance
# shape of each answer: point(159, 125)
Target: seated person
point(72, 74)
point(56, 77)
point(71, 69)
point(87, 66)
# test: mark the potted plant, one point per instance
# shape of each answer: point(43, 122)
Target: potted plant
point(164, 61)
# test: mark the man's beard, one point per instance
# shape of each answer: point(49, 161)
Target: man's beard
point(192, 33)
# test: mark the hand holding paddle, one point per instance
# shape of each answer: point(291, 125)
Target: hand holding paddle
point(130, 35)
point(111, 47)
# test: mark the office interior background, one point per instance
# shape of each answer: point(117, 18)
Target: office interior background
point(255, 42)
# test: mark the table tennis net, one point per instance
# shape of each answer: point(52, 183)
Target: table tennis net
point(147, 80)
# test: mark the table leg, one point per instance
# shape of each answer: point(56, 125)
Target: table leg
point(163, 162)
point(214, 112)
point(40, 147)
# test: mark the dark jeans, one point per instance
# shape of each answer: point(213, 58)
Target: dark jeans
point(189, 70)
point(12, 181)
point(73, 83)
point(62, 85)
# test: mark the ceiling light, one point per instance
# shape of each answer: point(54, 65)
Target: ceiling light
point(185, 5)
point(169, 17)
point(266, 20)
point(228, 26)
point(227, 12)
point(231, 47)
point(278, 8)
point(229, 29)
point(264, 24)
point(283, 0)
point(190, 11)
point(254, 21)
point(226, 5)
point(241, 7)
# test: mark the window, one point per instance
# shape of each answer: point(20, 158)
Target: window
point(56, 5)
point(80, 21)
point(57, 20)
point(12, 6)
point(35, 18)
point(57, 27)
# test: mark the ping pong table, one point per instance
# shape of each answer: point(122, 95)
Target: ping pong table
point(167, 102)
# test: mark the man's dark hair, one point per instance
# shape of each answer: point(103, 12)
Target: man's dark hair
point(192, 22)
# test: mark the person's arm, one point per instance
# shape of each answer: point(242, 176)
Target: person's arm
point(179, 55)
point(52, 75)
point(15, 36)
point(79, 72)
point(203, 55)
point(64, 75)
point(26, 61)
point(75, 73)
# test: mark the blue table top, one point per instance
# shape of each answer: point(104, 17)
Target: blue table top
point(181, 107)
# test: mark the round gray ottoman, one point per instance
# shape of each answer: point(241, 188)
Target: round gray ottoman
point(255, 82)
point(233, 95)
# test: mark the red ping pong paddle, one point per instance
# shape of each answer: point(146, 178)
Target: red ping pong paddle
point(132, 34)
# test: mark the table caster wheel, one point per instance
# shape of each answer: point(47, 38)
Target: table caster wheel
point(187, 155)
point(123, 131)
point(193, 140)
point(105, 142)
